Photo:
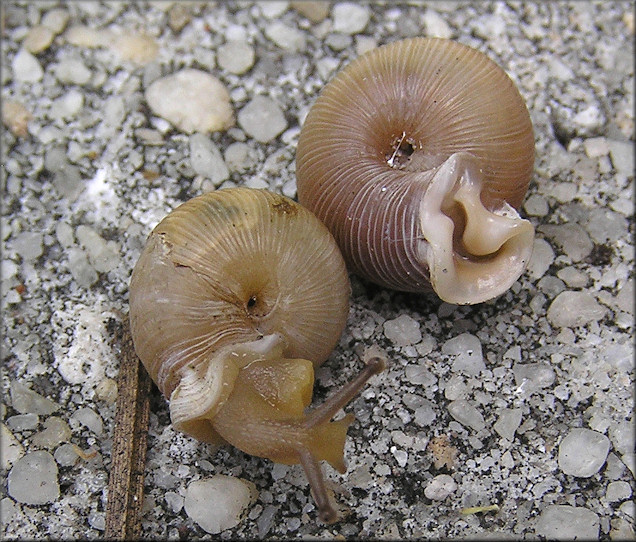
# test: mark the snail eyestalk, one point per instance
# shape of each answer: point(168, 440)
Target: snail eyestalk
point(264, 416)
point(323, 414)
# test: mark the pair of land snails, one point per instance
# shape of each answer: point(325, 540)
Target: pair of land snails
point(410, 166)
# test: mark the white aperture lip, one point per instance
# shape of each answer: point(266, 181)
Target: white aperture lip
point(496, 244)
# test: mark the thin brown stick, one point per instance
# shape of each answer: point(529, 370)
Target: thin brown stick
point(128, 456)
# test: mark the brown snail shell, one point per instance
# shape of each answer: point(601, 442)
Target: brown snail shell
point(236, 297)
point(416, 156)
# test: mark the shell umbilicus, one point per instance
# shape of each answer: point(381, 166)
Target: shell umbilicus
point(416, 157)
point(235, 299)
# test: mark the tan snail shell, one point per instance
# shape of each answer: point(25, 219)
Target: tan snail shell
point(416, 156)
point(236, 297)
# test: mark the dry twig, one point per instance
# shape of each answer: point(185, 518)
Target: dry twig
point(128, 457)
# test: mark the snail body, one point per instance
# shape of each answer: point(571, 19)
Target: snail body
point(416, 157)
point(237, 296)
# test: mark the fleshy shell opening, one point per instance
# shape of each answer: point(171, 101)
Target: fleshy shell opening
point(478, 255)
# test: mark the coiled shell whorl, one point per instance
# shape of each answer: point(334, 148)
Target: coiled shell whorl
point(230, 267)
point(416, 156)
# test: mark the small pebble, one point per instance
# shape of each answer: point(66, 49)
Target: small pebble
point(583, 452)
point(67, 106)
point(338, 42)
point(425, 414)
point(440, 487)
point(231, 497)
point(33, 479)
point(628, 510)
point(455, 388)
point(533, 376)
point(55, 431)
point(26, 401)
point(508, 422)
point(468, 354)
point(573, 277)
point(364, 44)
point(551, 286)
point(138, 48)
point(26, 68)
point(107, 390)
point(436, 26)
point(97, 520)
point(572, 238)
point(623, 436)
point(83, 36)
point(174, 501)
point(149, 136)
point(82, 271)
point(66, 455)
point(179, 16)
point(565, 522)
point(286, 37)
point(541, 259)
point(349, 18)
point(401, 457)
point(237, 156)
point(419, 375)
point(595, 147)
point(403, 330)
point(272, 9)
point(622, 155)
point(23, 422)
point(618, 491)
point(206, 159)
point(191, 100)
point(466, 414)
point(10, 448)
point(265, 520)
point(236, 56)
point(28, 245)
point(262, 119)
point(72, 71)
point(574, 309)
point(90, 419)
point(315, 11)
point(38, 39)
point(536, 205)
point(589, 119)
point(56, 20)
point(16, 117)
point(103, 255)
point(606, 226)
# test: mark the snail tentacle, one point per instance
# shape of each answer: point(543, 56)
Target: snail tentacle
point(264, 416)
point(238, 295)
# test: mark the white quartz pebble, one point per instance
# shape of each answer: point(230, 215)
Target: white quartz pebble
point(262, 119)
point(565, 522)
point(349, 17)
point(440, 487)
point(218, 503)
point(206, 159)
point(191, 100)
point(403, 330)
point(26, 68)
point(468, 357)
point(583, 452)
point(33, 479)
point(466, 414)
point(574, 309)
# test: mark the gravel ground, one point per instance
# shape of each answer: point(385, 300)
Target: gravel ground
point(524, 402)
